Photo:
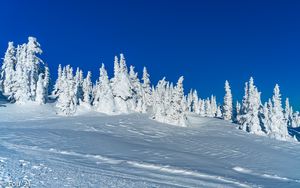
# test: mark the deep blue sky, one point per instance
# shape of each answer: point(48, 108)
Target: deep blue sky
point(206, 41)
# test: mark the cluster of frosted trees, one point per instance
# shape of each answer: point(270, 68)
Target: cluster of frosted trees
point(24, 76)
point(123, 93)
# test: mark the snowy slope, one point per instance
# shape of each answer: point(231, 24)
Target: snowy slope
point(95, 150)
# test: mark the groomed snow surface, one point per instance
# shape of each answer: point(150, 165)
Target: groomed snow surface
point(40, 148)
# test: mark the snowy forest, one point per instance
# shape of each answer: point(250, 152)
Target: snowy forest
point(25, 78)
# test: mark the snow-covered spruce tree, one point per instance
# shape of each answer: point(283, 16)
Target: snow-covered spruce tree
point(195, 105)
point(137, 90)
point(147, 91)
point(190, 101)
point(122, 87)
point(219, 112)
point(266, 116)
point(177, 109)
point(78, 84)
point(21, 91)
point(8, 70)
point(87, 87)
point(58, 82)
point(104, 99)
point(33, 64)
point(208, 111)
point(237, 111)
point(40, 90)
point(278, 128)
point(288, 113)
point(46, 82)
point(159, 95)
point(249, 118)
point(202, 107)
point(66, 103)
point(227, 106)
point(296, 120)
point(28, 67)
point(213, 104)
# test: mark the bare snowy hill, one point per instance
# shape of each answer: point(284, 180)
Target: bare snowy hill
point(95, 150)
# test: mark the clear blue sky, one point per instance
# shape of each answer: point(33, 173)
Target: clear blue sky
point(206, 41)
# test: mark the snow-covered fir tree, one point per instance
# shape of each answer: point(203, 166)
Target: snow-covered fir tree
point(227, 106)
point(66, 103)
point(208, 111)
point(41, 90)
point(87, 87)
point(20, 72)
point(177, 110)
point(122, 87)
point(104, 100)
point(8, 70)
point(249, 117)
point(288, 113)
point(214, 106)
point(147, 91)
point(219, 112)
point(278, 128)
point(137, 90)
point(58, 82)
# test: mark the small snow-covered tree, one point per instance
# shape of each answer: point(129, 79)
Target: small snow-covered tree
point(288, 113)
point(213, 104)
point(87, 87)
point(104, 99)
point(195, 104)
point(40, 90)
point(227, 106)
point(219, 112)
point(208, 111)
point(58, 83)
point(202, 107)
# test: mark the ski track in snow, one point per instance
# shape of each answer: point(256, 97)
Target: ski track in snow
point(94, 150)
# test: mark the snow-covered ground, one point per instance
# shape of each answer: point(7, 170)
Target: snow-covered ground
point(94, 150)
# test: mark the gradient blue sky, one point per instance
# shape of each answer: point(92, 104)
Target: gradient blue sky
point(206, 41)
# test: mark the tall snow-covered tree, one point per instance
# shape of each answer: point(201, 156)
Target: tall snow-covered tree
point(8, 70)
point(278, 128)
point(147, 91)
point(249, 118)
point(33, 64)
point(227, 106)
point(122, 87)
point(177, 112)
point(67, 99)
point(159, 104)
point(21, 88)
point(137, 90)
